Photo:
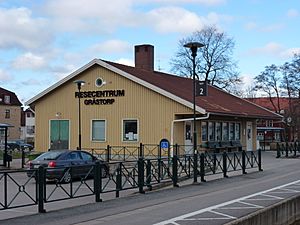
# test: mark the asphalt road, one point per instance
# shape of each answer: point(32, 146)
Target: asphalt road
point(216, 201)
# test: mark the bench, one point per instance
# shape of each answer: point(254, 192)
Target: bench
point(219, 146)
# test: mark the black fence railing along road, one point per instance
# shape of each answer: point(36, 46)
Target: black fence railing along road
point(18, 190)
point(288, 149)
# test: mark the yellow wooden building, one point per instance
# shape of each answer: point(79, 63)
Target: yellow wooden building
point(125, 106)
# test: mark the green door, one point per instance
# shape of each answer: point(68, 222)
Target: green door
point(59, 134)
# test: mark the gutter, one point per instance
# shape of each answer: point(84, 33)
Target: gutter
point(183, 120)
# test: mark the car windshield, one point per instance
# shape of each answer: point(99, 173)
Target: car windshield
point(51, 155)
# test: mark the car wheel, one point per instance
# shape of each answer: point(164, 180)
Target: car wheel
point(66, 177)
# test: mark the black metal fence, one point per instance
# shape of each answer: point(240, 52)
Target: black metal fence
point(30, 187)
point(288, 149)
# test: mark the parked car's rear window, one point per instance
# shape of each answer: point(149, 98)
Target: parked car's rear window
point(51, 155)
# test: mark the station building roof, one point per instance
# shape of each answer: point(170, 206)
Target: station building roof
point(218, 102)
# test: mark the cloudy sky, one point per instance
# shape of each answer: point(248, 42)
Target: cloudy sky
point(41, 41)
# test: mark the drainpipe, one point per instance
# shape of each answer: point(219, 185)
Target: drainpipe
point(183, 120)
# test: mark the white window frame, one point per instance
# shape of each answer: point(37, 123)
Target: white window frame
point(138, 130)
point(105, 130)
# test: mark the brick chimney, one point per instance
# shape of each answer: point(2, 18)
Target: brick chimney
point(144, 57)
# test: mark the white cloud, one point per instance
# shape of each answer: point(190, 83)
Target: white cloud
point(265, 29)
point(174, 19)
point(31, 81)
point(288, 53)
point(62, 71)
point(272, 27)
point(128, 62)
point(202, 2)
point(292, 13)
point(29, 61)
point(20, 29)
point(90, 16)
point(271, 48)
point(4, 76)
point(111, 46)
point(275, 50)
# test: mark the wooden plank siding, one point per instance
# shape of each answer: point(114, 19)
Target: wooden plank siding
point(153, 111)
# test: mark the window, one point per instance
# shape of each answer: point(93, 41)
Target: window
point(98, 130)
point(87, 157)
point(231, 131)
point(260, 136)
point(130, 130)
point(30, 129)
point(277, 136)
point(204, 131)
point(269, 123)
point(238, 131)
point(218, 131)
point(211, 131)
point(73, 156)
point(225, 131)
point(7, 99)
point(7, 113)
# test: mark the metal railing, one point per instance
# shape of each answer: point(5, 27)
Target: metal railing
point(287, 149)
point(18, 188)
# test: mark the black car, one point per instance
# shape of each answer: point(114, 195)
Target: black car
point(65, 165)
point(19, 145)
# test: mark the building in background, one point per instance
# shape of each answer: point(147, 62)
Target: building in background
point(10, 113)
point(124, 106)
point(288, 129)
point(28, 126)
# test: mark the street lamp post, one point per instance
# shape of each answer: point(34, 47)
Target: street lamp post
point(79, 84)
point(193, 46)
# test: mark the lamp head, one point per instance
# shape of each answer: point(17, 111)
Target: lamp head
point(194, 47)
point(79, 83)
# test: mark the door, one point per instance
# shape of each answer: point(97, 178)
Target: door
point(249, 137)
point(188, 137)
point(59, 134)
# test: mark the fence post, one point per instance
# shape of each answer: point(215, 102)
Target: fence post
point(41, 183)
point(202, 167)
point(175, 171)
point(23, 158)
point(225, 164)
point(244, 162)
point(141, 150)
point(176, 149)
point(97, 181)
point(259, 160)
point(141, 175)
point(118, 180)
point(107, 153)
point(148, 174)
point(278, 150)
point(195, 166)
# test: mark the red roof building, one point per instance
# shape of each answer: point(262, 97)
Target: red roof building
point(159, 105)
point(10, 113)
point(288, 127)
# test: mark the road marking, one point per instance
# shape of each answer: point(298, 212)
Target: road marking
point(290, 190)
point(273, 196)
point(222, 214)
point(248, 197)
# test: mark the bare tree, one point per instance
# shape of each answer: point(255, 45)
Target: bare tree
point(268, 82)
point(214, 62)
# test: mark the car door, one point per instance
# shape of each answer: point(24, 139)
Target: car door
point(74, 159)
point(88, 161)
